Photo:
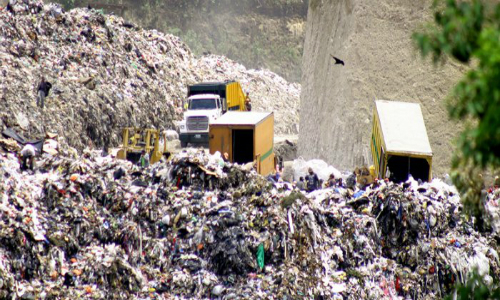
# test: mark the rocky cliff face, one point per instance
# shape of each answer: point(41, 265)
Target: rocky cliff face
point(374, 40)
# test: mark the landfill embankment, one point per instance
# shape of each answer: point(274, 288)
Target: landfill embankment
point(107, 73)
point(195, 227)
point(88, 226)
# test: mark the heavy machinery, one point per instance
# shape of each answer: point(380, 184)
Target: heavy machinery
point(206, 102)
point(364, 175)
point(136, 140)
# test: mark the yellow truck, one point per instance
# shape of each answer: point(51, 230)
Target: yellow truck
point(399, 142)
point(136, 140)
point(206, 102)
point(245, 137)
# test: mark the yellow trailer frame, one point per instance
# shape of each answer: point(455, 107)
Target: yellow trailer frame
point(235, 97)
point(381, 155)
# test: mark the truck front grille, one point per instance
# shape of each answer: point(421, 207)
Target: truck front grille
point(197, 123)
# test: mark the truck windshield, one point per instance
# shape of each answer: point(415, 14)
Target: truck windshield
point(202, 104)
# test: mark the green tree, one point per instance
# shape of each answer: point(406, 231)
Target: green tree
point(68, 4)
point(476, 288)
point(469, 33)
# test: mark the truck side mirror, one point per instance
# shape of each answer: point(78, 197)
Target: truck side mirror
point(224, 105)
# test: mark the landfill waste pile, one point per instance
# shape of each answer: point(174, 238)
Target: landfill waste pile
point(286, 149)
point(196, 227)
point(107, 73)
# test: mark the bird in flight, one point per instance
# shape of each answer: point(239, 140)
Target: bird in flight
point(337, 61)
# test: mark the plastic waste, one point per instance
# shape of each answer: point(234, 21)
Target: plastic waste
point(260, 256)
point(195, 229)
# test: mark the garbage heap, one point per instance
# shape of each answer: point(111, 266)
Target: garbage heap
point(196, 227)
point(107, 73)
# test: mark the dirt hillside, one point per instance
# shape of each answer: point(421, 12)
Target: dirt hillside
point(374, 40)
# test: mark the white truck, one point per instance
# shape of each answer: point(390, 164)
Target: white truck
point(205, 103)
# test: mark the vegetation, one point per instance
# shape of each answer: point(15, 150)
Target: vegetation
point(68, 4)
point(476, 288)
point(469, 33)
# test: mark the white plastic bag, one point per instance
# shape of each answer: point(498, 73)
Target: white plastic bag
point(320, 167)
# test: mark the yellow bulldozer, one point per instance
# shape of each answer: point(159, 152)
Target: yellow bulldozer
point(136, 140)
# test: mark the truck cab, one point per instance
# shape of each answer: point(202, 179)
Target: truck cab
point(206, 102)
point(201, 110)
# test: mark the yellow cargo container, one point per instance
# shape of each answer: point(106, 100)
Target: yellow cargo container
point(245, 137)
point(399, 141)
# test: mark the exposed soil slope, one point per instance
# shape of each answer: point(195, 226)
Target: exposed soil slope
point(374, 40)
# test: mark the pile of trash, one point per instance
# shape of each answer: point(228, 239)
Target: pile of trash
point(300, 168)
point(107, 73)
point(196, 227)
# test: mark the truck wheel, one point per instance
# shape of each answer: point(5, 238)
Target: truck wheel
point(184, 144)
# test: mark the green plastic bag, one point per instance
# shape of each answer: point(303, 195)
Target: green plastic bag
point(260, 256)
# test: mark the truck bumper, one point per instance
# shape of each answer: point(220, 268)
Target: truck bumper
point(194, 138)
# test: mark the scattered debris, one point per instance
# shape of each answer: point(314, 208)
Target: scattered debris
point(197, 227)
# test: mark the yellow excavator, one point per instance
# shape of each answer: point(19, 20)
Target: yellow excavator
point(136, 140)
